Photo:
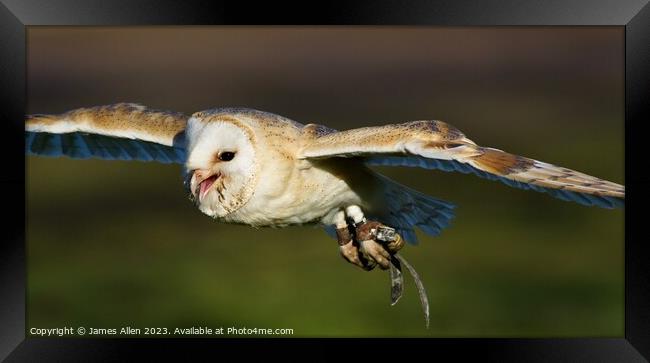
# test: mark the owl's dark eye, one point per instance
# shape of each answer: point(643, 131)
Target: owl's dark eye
point(226, 155)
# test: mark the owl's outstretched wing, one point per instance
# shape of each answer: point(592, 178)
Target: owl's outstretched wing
point(437, 145)
point(123, 131)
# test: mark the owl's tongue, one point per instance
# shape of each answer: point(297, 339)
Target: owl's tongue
point(206, 184)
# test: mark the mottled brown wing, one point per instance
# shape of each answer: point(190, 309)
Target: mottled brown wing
point(437, 145)
point(123, 131)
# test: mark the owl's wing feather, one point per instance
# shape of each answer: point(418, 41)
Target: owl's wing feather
point(437, 145)
point(123, 131)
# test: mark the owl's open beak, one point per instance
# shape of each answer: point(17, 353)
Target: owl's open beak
point(202, 183)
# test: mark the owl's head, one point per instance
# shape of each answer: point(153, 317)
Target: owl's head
point(221, 165)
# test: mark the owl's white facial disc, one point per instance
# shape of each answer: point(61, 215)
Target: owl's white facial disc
point(221, 163)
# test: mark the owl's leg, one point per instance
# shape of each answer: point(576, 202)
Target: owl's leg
point(365, 233)
point(348, 245)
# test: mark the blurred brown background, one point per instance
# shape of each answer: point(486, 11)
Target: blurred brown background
point(115, 243)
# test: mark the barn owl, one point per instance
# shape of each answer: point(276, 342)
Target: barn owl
point(260, 169)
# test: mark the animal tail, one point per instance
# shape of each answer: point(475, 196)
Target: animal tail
point(408, 208)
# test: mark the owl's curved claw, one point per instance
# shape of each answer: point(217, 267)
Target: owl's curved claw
point(376, 252)
point(351, 253)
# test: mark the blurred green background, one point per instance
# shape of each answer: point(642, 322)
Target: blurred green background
point(112, 244)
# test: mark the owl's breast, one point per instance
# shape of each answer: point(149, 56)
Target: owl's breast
point(303, 191)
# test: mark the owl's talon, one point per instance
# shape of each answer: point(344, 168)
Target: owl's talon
point(366, 243)
point(382, 234)
point(376, 252)
point(349, 249)
point(351, 253)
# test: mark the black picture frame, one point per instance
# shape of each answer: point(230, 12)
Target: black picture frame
point(634, 15)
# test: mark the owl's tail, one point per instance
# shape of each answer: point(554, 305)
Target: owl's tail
point(408, 208)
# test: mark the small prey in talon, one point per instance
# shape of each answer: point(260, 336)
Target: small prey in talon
point(260, 169)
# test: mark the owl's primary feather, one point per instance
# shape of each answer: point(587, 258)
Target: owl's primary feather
point(293, 173)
